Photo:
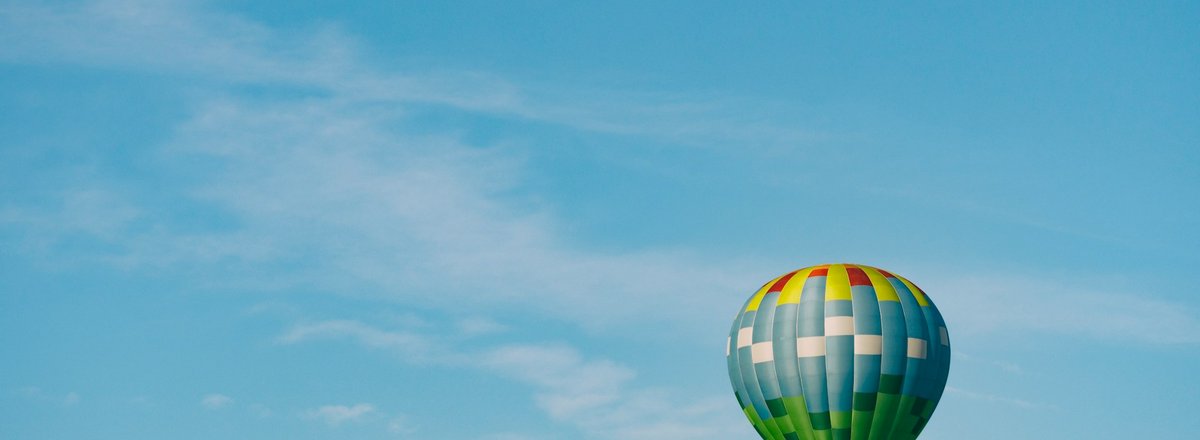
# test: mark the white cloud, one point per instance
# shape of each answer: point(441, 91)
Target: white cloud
point(185, 39)
point(400, 425)
point(260, 410)
point(414, 347)
point(335, 415)
point(427, 217)
point(216, 401)
point(596, 396)
point(568, 384)
point(409, 217)
point(478, 326)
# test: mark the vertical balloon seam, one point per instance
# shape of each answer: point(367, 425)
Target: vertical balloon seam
point(868, 328)
point(945, 376)
point(735, 373)
point(913, 418)
point(829, 409)
point(764, 371)
point(902, 294)
point(856, 366)
point(931, 364)
point(945, 372)
point(937, 380)
point(885, 402)
point(852, 377)
point(775, 406)
point(804, 361)
point(787, 361)
point(914, 320)
point(868, 362)
point(749, 370)
point(839, 355)
point(921, 391)
point(750, 380)
point(811, 327)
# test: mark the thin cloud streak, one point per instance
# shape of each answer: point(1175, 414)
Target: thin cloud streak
point(1006, 366)
point(982, 304)
point(335, 415)
point(593, 395)
point(216, 401)
point(413, 347)
point(186, 40)
point(1019, 403)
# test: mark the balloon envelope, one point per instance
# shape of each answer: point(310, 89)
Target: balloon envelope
point(839, 351)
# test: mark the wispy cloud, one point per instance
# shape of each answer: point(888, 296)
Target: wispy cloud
point(1019, 403)
point(400, 426)
point(330, 176)
point(478, 326)
point(186, 39)
point(36, 394)
point(595, 396)
point(395, 215)
point(991, 210)
point(335, 415)
point(1005, 366)
point(413, 346)
point(216, 401)
point(381, 211)
point(989, 304)
point(260, 410)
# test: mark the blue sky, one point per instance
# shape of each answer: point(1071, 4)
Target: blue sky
point(512, 221)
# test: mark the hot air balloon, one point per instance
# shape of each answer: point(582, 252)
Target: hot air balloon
point(838, 352)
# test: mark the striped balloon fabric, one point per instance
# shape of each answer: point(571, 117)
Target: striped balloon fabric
point(839, 351)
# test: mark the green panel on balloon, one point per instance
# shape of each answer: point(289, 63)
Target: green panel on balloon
point(885, 410)
point(839, 419)
point(860, 424)
point(798, 412)
point(820, 421)
point(773, 428)
point(785, 425)
point(894, 334)
point(776, 407)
